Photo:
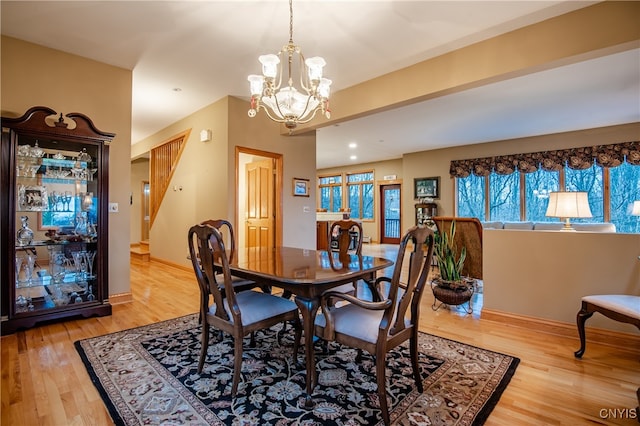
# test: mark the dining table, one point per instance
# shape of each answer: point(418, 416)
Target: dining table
point(305, 274)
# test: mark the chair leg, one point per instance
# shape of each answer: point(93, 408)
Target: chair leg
point(296, 343)
point(204, 345)
point(382, 387)
point(237, 364)
point(582, 316)
point(413, 347)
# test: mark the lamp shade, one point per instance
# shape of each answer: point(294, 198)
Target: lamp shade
point(568, 205)
point(635, 210)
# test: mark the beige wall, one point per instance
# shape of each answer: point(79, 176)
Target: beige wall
point(207, 177)
point(35, 75)
point(544, 274)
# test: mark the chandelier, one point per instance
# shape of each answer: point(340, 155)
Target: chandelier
point(284, 103)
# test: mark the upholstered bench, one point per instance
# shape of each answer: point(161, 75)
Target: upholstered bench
point(618, 307)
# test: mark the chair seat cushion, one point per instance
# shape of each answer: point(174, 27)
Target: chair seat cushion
point(625, 304)
point(257, 306)
point(356, 321)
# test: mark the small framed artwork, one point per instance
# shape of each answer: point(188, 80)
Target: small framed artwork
point(33, 198)
point(300, 187)
point(428, 187)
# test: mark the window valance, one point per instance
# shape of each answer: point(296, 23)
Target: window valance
point(581, 158)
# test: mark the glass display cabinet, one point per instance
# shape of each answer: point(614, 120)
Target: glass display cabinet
point(54, 220)
point(424, 213)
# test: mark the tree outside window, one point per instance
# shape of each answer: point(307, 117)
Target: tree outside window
point(330, 189)
point(360, 193)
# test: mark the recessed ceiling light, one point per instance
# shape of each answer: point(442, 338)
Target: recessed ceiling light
point(353, 145)
point(353, 157)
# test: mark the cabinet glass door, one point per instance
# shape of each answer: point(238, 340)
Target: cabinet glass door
point(56, 224)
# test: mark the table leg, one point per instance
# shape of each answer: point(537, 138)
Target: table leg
point(308, 308)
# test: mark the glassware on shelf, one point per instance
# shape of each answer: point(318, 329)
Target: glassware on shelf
point(24, 150)
point(89, 258)
point(57, 261)
point(21, 303)
point(80, 264)
point(84, 156)
point(81, 225)
point(90, 296)
point(24, 234)
point(90, 173)
point(29, 268)
point(59, 156)
point(19, 260)
point(86, 201)
point(66, 200)
point(57, 295)
point(36, 151)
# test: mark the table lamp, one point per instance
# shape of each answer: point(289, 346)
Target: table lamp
point(566, 205)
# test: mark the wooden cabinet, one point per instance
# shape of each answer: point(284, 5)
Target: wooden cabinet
point(53, 224)
point(425, 211)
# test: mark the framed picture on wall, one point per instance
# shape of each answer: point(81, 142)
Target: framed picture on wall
point(427, 187)
point(300, 187)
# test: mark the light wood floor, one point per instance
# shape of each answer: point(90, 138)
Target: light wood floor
point(45, 383)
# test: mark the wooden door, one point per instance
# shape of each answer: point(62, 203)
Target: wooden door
point(260, 203)
point(390, 214)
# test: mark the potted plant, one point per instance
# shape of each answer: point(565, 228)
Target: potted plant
point(450, 286)
point(449, 261)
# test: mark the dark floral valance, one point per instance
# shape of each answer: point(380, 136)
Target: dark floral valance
point(582, 158)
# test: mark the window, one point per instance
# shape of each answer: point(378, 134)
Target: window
point(537, 186)
point(360, 195)
point(589, 181)
point(624, 184)
point(519, 185)
point(471, 196)
point(330, 189)
point(504, 192)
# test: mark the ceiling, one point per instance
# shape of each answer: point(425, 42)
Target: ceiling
point(207, 48)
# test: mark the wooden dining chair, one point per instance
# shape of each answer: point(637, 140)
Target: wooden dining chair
point(226, 230)
point(236, 313)
point(345, 237)
point(378, 327)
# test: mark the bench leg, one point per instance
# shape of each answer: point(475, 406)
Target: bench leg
point(582, 316)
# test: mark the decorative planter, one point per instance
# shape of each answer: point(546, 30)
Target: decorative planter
point(452, 293)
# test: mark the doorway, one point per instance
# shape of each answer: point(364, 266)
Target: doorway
point(144, 224)
point(390, 202)
point(259, 198)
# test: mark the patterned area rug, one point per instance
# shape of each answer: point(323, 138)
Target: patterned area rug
point(148, 376)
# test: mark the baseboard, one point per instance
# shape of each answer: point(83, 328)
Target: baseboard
point(172, 264)
point(116, 299)
point(597, 335)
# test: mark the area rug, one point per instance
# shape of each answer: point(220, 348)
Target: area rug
point(148, 376)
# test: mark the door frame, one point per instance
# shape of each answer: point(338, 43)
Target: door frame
point(381, 185)
point(277, 187)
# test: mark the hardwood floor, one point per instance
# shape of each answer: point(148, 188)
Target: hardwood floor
point(45, 383)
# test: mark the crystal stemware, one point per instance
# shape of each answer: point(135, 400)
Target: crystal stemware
point(56, 263)
point(80, 264)
point(19, 260)
point(89, 257)
point(90, 296)
point(28, 269)
point(66, 199)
